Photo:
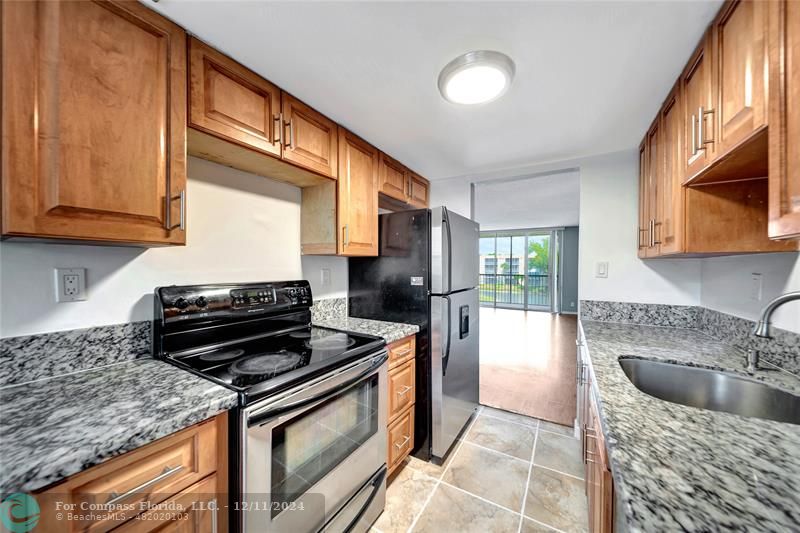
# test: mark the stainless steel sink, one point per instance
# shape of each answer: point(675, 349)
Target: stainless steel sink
point(711, 389)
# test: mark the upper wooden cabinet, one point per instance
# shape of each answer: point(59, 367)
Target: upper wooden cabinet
point(784, 118)
point(739, 36)
point(418, 189)
point(643, 238)
point(669, 195)
point(309, 138)
point(698, 108)
point(231, 101)
point(393, 179)
point(94, 114)
point(357, 206)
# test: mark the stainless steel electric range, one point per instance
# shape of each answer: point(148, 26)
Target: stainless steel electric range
point(308, 440)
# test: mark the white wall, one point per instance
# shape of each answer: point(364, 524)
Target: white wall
point(312, 267)
point(241, 227)
point(726, 285)
point(608, 222)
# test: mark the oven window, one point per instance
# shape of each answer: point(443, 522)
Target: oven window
point(309, 446)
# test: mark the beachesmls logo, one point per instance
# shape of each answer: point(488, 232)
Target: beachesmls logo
point(19, 513)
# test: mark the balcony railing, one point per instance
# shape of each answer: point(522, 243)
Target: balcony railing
point(509, 290)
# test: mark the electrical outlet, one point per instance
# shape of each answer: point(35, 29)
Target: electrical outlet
point(756, 286)
point(325, 277)
point(70, 284)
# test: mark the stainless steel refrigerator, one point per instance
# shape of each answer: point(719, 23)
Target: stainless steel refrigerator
point(427, 274)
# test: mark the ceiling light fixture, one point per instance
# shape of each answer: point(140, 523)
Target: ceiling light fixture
point(476, 77)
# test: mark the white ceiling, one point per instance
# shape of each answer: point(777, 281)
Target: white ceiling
point(590, 74)
point(547, 201)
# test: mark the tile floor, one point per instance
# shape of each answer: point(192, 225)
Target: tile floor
point(528, 363)
point(509, 473)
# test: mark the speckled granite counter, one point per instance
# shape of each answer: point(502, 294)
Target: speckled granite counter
point(53, 428)
point(391, 331)
point(679, 468)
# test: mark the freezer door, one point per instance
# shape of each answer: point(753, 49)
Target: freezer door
point(454, 252)
point(454, 366)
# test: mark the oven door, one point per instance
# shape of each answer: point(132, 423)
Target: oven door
point(316, 450)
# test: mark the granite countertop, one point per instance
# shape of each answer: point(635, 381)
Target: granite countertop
point(683, 468)
point(56, 427)
point(391, 331)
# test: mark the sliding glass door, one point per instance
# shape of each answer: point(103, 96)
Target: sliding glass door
point(516, 269)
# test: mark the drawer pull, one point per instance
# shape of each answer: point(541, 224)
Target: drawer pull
point(404, 391)
point(402, 444)
point(116, 497)
point(402, 353)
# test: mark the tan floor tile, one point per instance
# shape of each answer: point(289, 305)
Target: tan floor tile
point(559, 453)
point(569, 431)
point(498, 478)
point(451, 510)
point(405, 497)
point(502, 436)
point(508, 415)
point(529, 526)
point(429, 468)
point(557, 500)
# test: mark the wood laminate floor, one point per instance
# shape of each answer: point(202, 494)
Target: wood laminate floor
point(527, 363)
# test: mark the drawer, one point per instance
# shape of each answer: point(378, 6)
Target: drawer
point(402, 388)
point(201, 512)
point(402, 350)
point(401, 437)
point(150, 474)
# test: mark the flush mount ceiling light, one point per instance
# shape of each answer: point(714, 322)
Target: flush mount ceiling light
point(476, 77)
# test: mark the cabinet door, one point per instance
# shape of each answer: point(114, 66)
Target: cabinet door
point(784, 119)
point(358, 196)
point(643, 235)
point(232, 102)
point(393, 179)
point(740, 57)
point(697, 91)
point(418, 191)
point(94, 122)
point(670, 191)
point(309, 137)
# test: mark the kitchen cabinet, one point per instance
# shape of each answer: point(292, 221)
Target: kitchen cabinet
point(669, 190)
point(784, 119)
point(402, 398)
point(396, 182)
point(187, 467)
point(649, 174)
point(357, 196)
point(239, 119)
point(598, 479)
point(698, 108)
point(643, 234)
point(94, 114)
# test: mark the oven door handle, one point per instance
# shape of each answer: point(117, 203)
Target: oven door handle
point(376, 484)
point(285, 408)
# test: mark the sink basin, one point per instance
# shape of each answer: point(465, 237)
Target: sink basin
point(711, 389)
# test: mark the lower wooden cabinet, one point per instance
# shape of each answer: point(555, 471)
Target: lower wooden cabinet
point(402, 399)
point(187, 470)
point(784, 119)
point(597, 474)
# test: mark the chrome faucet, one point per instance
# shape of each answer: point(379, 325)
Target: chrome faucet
point(762, 327)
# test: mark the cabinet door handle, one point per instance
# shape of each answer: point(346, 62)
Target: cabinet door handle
point(346, 234)
point(401, 444)
point(703, 114)
point(278, 131)
point(181, 197)
point(699, 128)
point(694, 135)
point(655, 241)
point(404, 391)
point(290, 125)
point(641, 230)
point(214, 515)
point(167, 472)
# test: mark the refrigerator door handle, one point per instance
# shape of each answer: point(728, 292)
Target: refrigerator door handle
point(446, 357)
point(446, 220)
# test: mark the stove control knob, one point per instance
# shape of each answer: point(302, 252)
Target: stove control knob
point(201, 302)
point(181, 303)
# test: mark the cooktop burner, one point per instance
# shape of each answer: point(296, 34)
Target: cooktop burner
point(266, 364)
point(272, 362)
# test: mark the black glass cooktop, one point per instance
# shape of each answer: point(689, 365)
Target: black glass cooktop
point(265, 365)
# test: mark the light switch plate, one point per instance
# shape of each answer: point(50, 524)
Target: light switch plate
point(70, 284)
point(601, 269)
point(756, 286)
point(325, 277)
